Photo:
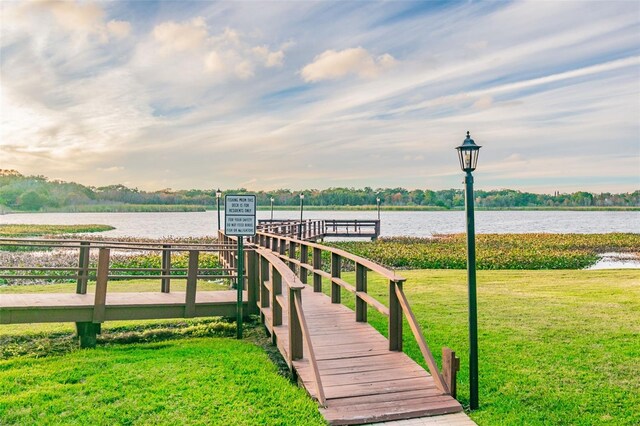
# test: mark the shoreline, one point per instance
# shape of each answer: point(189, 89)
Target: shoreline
point(170, 209)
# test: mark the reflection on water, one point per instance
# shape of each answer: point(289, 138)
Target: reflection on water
point(414, 224)
point(617, 261)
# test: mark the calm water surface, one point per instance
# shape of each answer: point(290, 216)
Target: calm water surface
point(416, 224)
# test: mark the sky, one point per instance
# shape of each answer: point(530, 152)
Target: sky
point(300, 94)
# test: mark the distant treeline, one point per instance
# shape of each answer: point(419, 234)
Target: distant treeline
point(37, 193)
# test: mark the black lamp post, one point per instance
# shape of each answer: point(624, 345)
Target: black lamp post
point(272, 208)
point(468, 155)
point(218, 195)
point(378, 203)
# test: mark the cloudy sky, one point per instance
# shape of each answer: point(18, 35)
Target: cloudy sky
point(269, 95)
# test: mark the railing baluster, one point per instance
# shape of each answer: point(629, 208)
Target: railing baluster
point(253, 281)
point(295, 330)
point(276, 290)
point(83, 268)
point(166, 268)
point(99, 306)
point(292, 255)
point(395, 318)
point(317, 266)
point(192, 282)
point(304, 260)
point(336, 266)
point(361, 285)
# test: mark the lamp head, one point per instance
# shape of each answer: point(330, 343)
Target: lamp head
point(468, 154)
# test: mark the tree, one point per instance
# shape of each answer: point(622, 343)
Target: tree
point(32, 201)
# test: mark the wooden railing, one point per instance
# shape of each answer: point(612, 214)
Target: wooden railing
point(306, 258)
point(82, 273)
point(303, 230)
point(103, 271)
point(321, 228)
point(271, 277)
point(352, 228)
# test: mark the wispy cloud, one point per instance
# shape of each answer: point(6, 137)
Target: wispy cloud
point(316, 94)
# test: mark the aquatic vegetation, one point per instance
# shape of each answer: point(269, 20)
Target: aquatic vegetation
point(495, 251)
point(39, 230)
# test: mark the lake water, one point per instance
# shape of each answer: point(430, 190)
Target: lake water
point(416, 224)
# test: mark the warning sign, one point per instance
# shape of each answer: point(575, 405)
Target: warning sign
point(240, 215)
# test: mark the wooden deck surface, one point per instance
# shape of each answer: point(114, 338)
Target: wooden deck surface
point(71, 307)
point(363, 381)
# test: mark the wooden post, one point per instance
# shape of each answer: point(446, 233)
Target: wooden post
point(83, 268)
point(87, 334)
point(264, 278)
point(295, 329)
point(395, 318)
point(166, 268)
point(253, 282)
point(292, 255)
point(276, 290)
point(282, 246)
point(450, 368)
point(101, 286)
point(192, 282)
point(361, 285)
point(317, 264)
point(304, 260)
point(336, 266)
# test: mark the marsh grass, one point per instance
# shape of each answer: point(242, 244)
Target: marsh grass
point(494, 251)
point(39, 230)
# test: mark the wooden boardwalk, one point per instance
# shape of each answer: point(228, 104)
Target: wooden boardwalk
point(363, 380)
point(356, 374)
point(71, 307)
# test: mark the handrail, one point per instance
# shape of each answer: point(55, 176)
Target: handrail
point(84, 272)
point(398, 303)
point(294, 284)
point(271, 295)
point(375, 267)
point(422, 343)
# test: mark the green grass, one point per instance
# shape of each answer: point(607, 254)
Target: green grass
point(195, 381)
point(556, 347)
point(39, 230)
point(494, 251)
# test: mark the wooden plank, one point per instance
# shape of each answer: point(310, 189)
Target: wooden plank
point(392, 397)
point(387, 412)
point(388, 386)
point(100, 298)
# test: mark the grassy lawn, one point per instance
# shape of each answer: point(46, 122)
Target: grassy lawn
point(217, 381)
point(556, 347)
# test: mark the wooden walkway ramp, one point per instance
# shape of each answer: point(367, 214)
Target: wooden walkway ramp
point(362, 379)
point(356, 374)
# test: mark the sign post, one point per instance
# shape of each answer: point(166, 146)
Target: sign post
point(240, 221)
